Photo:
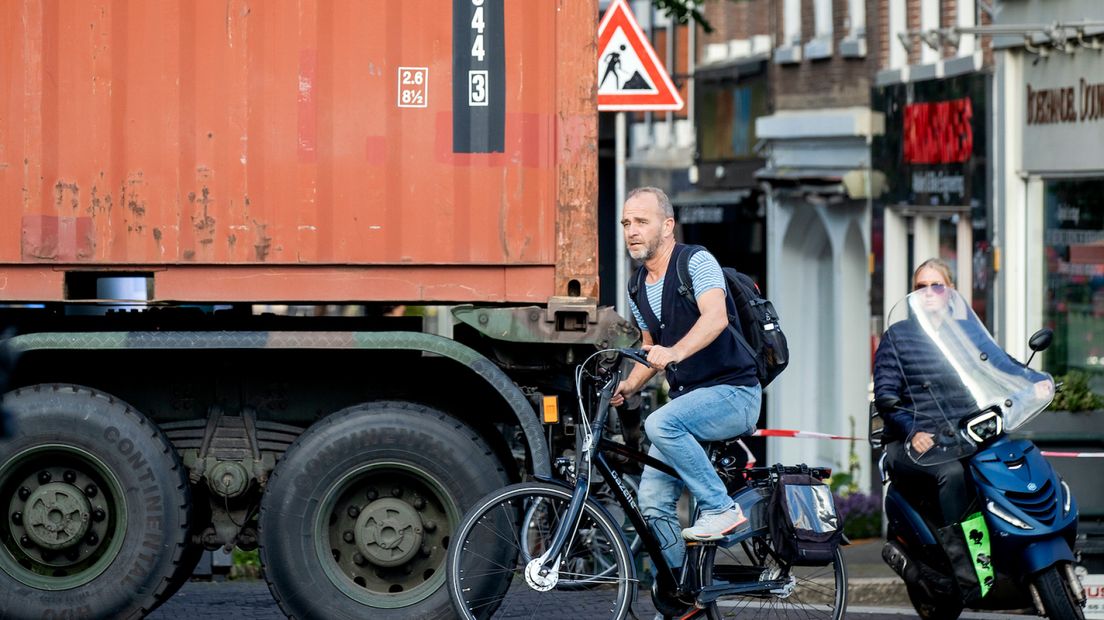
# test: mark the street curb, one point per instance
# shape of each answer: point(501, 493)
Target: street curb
point(880, 591)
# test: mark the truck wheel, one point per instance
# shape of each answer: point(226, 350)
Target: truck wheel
point(357, 517)
point(95, 507)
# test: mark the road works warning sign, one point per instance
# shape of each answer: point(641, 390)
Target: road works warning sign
point(630, 77)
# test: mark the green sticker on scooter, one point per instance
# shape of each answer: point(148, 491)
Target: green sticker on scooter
point(977, 541)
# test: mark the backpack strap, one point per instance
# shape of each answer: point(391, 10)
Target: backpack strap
point(686, 283)
point(640, 298)
point(686, 289)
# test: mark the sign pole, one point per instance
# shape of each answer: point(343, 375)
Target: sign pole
point(630, 77)
point(619, 202)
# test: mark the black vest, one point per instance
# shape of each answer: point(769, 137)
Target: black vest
point(721, 362)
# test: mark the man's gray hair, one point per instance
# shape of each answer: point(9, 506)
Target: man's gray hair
point(660, 196)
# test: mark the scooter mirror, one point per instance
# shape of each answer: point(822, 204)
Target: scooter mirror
point(1041, 339)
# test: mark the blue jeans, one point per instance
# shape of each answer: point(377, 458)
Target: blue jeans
point(675, 430)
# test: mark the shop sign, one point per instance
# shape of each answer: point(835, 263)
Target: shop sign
point(933, 149)
point(1063, 113)
point(1094, 592)
point(939, 132)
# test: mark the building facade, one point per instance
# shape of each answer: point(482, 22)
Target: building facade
point(818, 182)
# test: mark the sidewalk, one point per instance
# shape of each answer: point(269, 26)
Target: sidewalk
point(870, 581)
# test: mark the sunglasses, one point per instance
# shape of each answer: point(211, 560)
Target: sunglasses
point(936, 288)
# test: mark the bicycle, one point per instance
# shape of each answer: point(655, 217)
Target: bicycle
point(546, 549)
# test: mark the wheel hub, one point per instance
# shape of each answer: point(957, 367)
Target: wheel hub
point(57, 516)
point(389, 532)
point(536, 580)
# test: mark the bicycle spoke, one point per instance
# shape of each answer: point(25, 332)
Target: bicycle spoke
point(495, 547)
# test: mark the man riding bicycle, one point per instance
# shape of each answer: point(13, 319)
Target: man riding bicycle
point(715, 393)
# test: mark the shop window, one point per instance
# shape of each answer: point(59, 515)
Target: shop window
point(1074, 253)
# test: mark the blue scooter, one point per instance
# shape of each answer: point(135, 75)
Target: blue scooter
point(966, 394)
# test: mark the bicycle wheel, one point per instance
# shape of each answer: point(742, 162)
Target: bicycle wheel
point(809, 592)
point(604, 563)
point(487, 561)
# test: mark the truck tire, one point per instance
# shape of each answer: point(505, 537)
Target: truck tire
point(358, 514)
point(95, 507)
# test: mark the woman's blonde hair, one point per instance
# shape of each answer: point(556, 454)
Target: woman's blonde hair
point(937, 264)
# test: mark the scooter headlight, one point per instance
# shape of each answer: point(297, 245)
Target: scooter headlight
point(985, 426)
point(1001, 513)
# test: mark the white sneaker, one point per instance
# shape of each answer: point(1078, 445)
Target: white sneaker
point(715, 526)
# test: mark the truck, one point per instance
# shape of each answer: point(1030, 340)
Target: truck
point(209, 213)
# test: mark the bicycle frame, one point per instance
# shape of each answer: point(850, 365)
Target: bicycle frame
point(593, 450)
point(592, 455)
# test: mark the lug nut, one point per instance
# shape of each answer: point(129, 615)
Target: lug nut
point(44, 477)
point(92, 538)
point(98, 514)
point(408, 568)
point(397, 492)
point(26, 541)
point(354, 511)
point(359, 559)
point(348, 536)
point(91, 490)
point(69, 476)
point(72, 555)
point(430, 526)
point(47, 555)
point(424, 551)
point(419, 503)
point(372, 494)
point(24, 493)
point(17, 518)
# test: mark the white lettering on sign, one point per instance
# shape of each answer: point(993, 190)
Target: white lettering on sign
point(477, 88)
point(413, 87)
point(930, 182)
point(477, 79)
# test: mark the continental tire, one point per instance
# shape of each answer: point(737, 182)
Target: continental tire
point(358, 515)
point(95, 507)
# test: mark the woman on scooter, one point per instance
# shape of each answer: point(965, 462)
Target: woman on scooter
point(904, 366)
point(921, 448)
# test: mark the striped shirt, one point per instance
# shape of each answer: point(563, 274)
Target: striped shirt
point(705, 274)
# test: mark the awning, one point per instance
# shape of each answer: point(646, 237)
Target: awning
point(854, 182)
point(686, 199)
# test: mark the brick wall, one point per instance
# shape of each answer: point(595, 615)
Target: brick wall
point(737, 20)
point(830, 82)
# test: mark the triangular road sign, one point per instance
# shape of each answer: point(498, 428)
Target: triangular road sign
point(630, 77)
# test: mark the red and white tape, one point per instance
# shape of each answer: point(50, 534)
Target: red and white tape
point(781, 432)
point(1074, 455)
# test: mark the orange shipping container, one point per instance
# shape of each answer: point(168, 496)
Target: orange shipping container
point(299, 151)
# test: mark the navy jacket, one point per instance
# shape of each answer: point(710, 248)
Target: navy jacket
point(722, 362)
point(908, 363)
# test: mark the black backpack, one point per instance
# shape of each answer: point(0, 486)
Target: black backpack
point(759, 331)
point(805, 528)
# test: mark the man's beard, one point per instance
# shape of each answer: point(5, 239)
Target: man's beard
point(646, 253)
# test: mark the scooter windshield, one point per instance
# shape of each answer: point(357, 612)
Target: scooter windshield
point(947, 368)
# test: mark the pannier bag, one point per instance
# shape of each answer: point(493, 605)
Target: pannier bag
point(805, 527)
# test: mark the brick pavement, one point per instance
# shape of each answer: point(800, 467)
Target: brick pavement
point(871, 583)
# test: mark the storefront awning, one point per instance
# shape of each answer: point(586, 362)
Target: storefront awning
point(854, 182)
point(686, 199)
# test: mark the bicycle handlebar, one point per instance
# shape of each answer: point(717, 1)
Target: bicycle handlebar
point(640, 355)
